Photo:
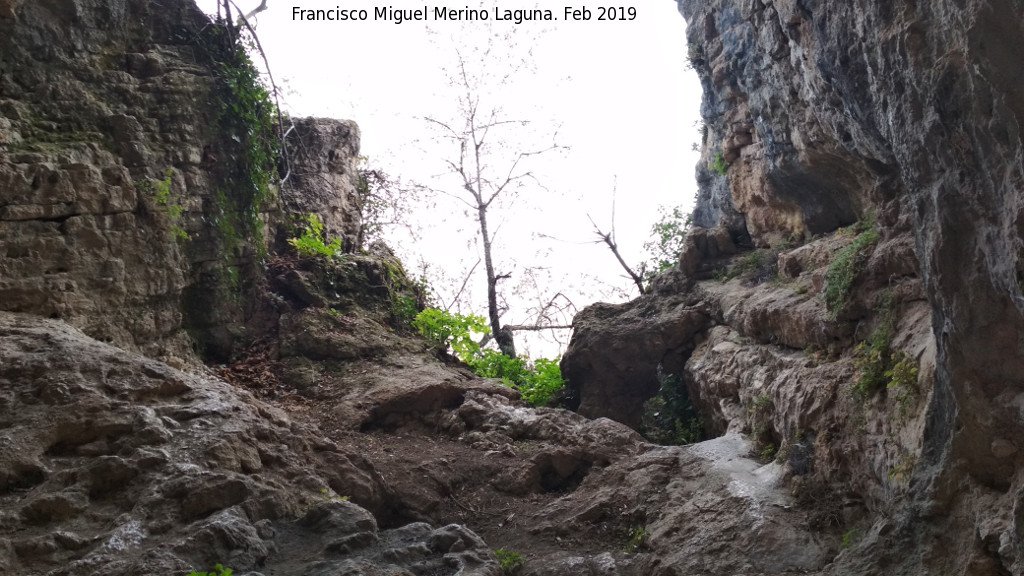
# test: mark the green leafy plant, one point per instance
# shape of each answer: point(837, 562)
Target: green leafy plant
point(312, 241)
point(509, 561)
point(768, 452)
point(538, 381)
point(719, 165)
point(872, 358)
point(669, 417)
point(668, 236)
point(761, 403)
point(636, 540)
point(846, 267)
point(880, 367)
point(404, 309)
point(218, 570)
point(850, 537)
point(450, 330)
point(903, 381)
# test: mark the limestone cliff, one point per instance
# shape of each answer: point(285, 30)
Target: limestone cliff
point(844, 321)
point(904, 117)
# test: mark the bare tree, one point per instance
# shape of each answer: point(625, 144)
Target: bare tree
point(484, 177)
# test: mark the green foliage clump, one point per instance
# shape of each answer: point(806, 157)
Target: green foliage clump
point(312, 241)
point(668, 235)
point(446, 329)
point(636, 540)
point(872, 358)
point(248, 116)
point(903, 381)
point(669, 417)
point(719, 165)
point(850, 538)
point(509, 561)
point(218, 570)
point(880, 367)
point(761, 403)
point(847, 265)
point(538, 381)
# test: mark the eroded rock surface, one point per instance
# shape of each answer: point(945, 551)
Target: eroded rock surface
point(117, 464)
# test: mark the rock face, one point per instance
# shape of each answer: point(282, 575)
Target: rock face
point(907, 116)
point(859, 387)
point(122, 211)
point(117, 464)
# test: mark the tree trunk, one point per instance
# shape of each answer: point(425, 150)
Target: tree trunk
point(504, 338)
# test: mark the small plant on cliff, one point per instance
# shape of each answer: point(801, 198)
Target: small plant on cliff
point(903, 381)
point(846, 267)
point(509, 561)
point(872, 358)
point(218, 570)
point(636, 540)
point(880, 367)
point(312, 241)
point(694, 54)
point(719, 165)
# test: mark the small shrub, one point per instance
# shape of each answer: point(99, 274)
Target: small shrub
point(694, 54)
point(719, 165)
point(669, 417)
point(850, 538)
point(768, 452)
point(636, 540)
point(761, 403)
point(903, 381)
point(543, 382)
point(404, 309)
point(872, 359)
point(845, 268)
point(538, 381)
point(218, 570)
point(509, 561)
point(312, 241)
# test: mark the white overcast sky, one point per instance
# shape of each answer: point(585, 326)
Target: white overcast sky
point(617, 92)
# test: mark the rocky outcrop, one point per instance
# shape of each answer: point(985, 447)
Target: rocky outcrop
point(818, 115)
point(117, 464)
point(618, 362)
point(127, 208)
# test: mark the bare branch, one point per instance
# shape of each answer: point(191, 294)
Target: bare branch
point(464, 282)
point(607, 239)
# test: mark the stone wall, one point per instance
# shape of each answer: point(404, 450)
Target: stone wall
point(118, 212)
